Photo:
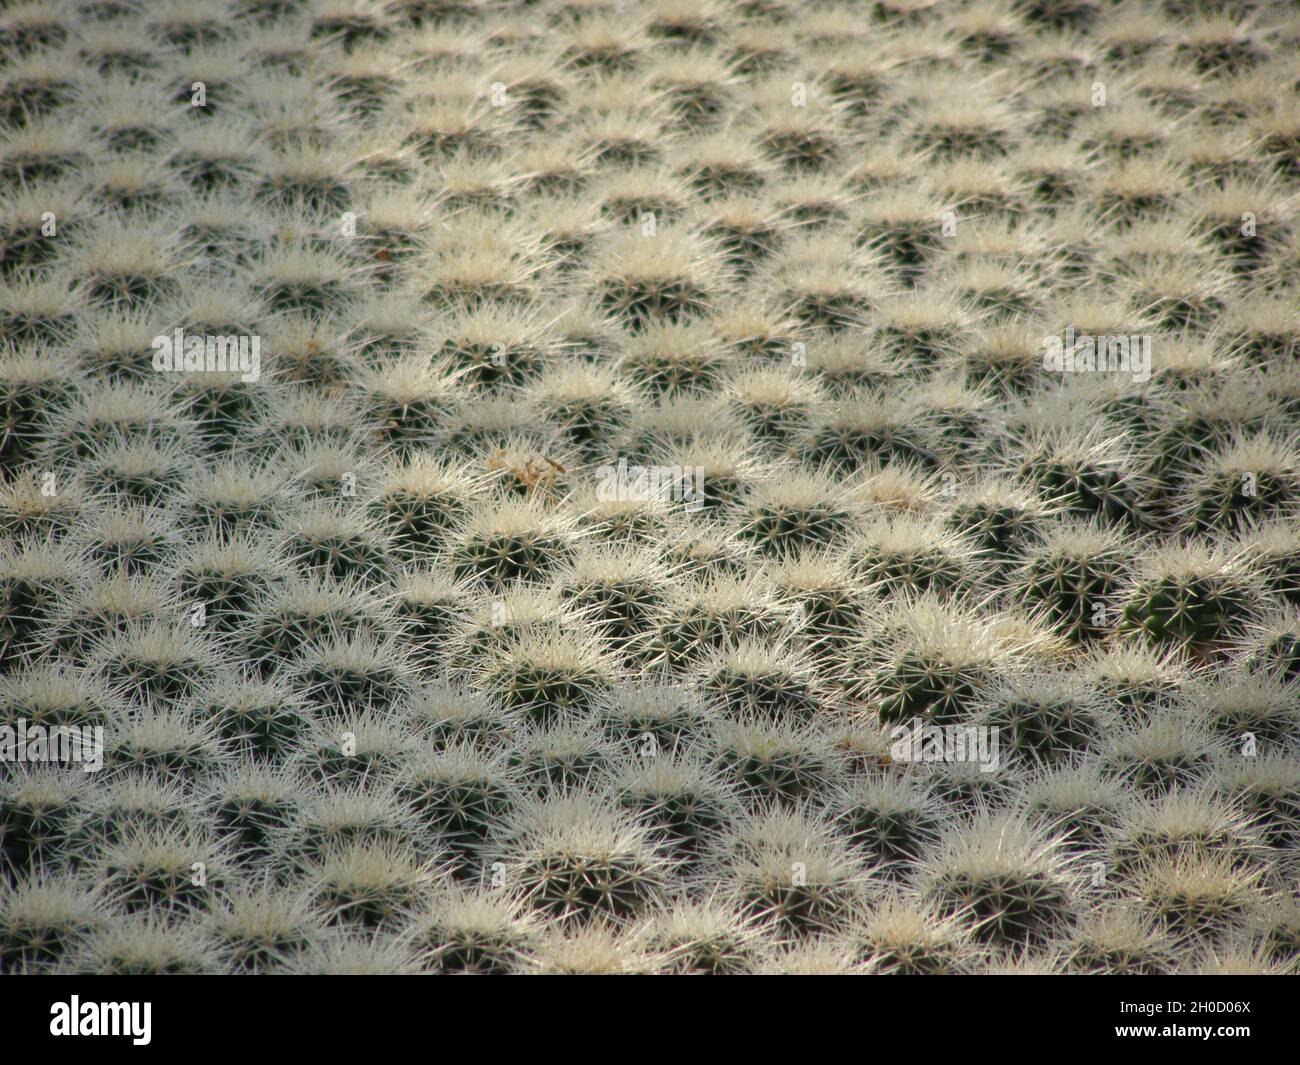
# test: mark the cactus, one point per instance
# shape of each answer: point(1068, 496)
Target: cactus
point(775, 763)
point(900, 936)
point(378, 645)
point(785, 869)
point(1076, 573)
point(891, 820)
point(368, 885)
point(460, 793)
point(1191, 895)
point(38, 812)
point(259, 929)
point(936, 668)
point(548, 677)
point(44, 920)
point(162, 871)
point(575, 859)
point(1010, 878)
point(798, 512)
point(752, 681)
point(682, 800)
point(1121, 941)
point(1048, 717)
point(468, 932)
point(704, 938)
point(1189, 595)
point(515, 541)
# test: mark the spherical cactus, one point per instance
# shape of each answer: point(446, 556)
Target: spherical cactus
point(618, 589)
point(512, 541)
point(548, 677)
point(131, 542)
point(574, 859)
point(342, 675)
point(647, 281)
point(304, 612)
point(1272, 644)
point(827, 603)
point(774, 404)
point(132, 804)
point(586, 403)
point(1120, 940)
point(228, 578)
point(45, 505)
point(936, 665)
point(346, 813)
point(904, 937)
point(338, 953)
point(1234, 706)
point(557, 760)
point(428, 607)
point(233, 496)
point(163, 742)
point(28, 385)
point(1274, 550)
point(471, 932)
point(327, 540)
point(775, 763)
point(752, 680)
point(670, 358)
point(250, 807)
point(906, 226)
point(862, 426)
point(791, 871)
point(1191, 595)
point(1045, 717)
point(355, 747)
point(997, 518)
point(163, 871)
point(682, 800)
point(890, 820)
point(795, 512)
point(407, 400)
point(1195, 895)
point(672, 715)
point(252, 717)
point(109, 606)
point(904, 554)
point(33, 577)
point(1075, 574)
point(418, 502)
point(369, 885)
point(145, 944)
point(1182, 822)
point(1255, 479)
point(449, 715)
point(1090, 477)
point(1167, 750)
point(707, 938)
point(1267, 789)
point(259, 928)
point(1135, 677)
point(1276, 930)
point(161, 660)
point(38, 813)
point(460, 793)
point(1010, 880)
point(42, 920)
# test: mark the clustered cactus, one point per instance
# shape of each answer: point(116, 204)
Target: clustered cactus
point(650, 458)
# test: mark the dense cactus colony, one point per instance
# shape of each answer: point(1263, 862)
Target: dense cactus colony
point(653, 411)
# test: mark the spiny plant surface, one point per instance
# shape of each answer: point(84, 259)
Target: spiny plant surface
point(657, 407)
